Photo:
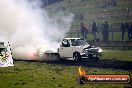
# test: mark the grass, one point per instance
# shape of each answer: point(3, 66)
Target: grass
point(44, 75)
point(122, 55)
point(41, 75)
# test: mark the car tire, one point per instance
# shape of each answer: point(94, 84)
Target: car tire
point(76, 56)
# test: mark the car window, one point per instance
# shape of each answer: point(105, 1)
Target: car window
point(65, 43)
point(73, 42)
point(78, 42)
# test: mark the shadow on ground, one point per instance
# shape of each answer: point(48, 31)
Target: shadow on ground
point(114, 64)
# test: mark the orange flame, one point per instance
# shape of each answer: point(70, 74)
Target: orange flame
point(81, 71)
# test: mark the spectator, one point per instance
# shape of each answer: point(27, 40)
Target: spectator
point(94, 29)
point(127, 28)
point(123, 30)
point(130, 31)
point(106, 31)
point(83, 30)
point(103, 31)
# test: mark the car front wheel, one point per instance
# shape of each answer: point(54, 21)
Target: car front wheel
point(76, 56)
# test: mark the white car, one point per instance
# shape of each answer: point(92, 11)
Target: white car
point(78, 49)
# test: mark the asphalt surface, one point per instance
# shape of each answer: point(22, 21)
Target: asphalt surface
point(113, 64)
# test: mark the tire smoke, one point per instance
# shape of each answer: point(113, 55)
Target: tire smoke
point(29, 29)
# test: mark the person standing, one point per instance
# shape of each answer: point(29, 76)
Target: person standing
point(106, 31)
point(94, 29)
point(103, 31)
point(123, 30)
point(83, 30)
point(130, 31)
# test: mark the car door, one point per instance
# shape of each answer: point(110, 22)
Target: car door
point(75, 46)
point(65, 49)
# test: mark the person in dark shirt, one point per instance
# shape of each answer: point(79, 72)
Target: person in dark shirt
point(83, 30)
point(106, 31)
point(103, 30)
point(127, 28)
point(130, 31)
point(123, 30)
point(94, 28)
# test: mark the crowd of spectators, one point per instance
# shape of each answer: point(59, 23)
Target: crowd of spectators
point(105, 27)
point(126, 27)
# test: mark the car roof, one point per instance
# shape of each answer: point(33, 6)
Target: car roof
point(72, 38)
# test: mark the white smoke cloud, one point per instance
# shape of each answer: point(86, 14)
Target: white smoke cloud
point(28, 27)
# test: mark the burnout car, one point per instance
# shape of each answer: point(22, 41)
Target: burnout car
point(78, 49)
